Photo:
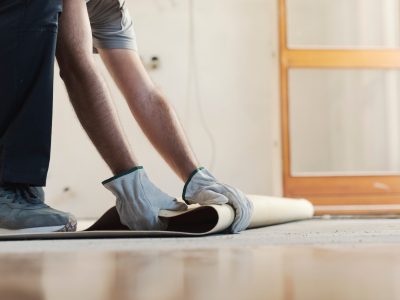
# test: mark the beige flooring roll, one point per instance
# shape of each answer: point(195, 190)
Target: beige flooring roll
point(196, 221)
point(216, 218)
point(275, 210)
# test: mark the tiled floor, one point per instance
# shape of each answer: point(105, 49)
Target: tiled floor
point(322, 260)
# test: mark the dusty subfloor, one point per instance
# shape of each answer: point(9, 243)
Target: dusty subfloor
point(319, 231)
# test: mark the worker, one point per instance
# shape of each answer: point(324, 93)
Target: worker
point(106, 26)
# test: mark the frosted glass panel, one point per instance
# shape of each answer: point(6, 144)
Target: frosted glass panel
point(344, 122)
point(343, 23)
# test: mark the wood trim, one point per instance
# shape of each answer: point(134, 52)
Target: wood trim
point(342, 186)
point(341, 58)
point(375, 210)
point(361, 199)
point(284, 95)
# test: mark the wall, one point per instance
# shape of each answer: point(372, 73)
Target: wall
point(236, 45)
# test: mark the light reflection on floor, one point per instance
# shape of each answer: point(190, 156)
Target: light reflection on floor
point(276, 272)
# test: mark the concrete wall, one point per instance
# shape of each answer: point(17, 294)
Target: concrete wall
point(236, 45)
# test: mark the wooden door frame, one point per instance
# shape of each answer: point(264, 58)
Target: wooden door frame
point(332, 190)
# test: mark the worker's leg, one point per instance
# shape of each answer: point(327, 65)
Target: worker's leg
point(153, 112)
point(87, 89)
point(28, 32)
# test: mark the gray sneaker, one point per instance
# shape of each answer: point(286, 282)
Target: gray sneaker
point(22, 210)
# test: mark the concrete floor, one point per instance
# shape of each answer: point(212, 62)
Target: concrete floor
point(319, 231)
point(316, 259)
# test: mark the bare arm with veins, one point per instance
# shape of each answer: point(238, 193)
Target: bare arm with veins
point(151, 109)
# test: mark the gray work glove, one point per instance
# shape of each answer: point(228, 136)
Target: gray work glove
point(139, 200)
point(204, 189)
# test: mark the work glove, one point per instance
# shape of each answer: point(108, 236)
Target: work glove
point(139, 200)
point(204, 189)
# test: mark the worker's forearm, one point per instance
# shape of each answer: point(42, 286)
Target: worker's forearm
point(87, 89)
point(159, 122)
point(97, 117)
point(154, 114)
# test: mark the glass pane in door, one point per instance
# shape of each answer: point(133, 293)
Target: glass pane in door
point(343, 23)
point(344, 122)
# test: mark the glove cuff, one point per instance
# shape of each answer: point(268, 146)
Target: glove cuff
point(188, 181)
point(199, 179)
point(122, 174)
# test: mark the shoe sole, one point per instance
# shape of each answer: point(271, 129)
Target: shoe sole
point(69, 227)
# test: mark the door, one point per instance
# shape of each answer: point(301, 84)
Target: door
point(340, 103)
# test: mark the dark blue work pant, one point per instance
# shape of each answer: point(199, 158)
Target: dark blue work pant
point(28, 34)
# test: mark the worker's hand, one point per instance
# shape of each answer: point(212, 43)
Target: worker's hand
point(139, 200)
point(204, 189)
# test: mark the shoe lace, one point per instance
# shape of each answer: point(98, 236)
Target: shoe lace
point(20, 194)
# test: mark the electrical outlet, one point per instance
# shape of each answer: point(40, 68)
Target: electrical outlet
point(154, 63)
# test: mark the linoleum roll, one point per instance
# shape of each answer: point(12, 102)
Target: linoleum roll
point(275, 210)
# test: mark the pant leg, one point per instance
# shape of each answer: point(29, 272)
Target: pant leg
point(28, 34)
